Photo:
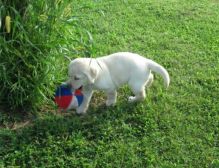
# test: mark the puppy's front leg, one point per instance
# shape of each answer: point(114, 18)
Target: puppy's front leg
point(111, 98)
point(85, 104)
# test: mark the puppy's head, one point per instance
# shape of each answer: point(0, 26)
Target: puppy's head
point(81, 73)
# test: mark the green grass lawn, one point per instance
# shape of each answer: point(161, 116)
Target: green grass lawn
point(177, 127)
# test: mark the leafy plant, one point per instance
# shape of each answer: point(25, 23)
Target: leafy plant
point(32, 54)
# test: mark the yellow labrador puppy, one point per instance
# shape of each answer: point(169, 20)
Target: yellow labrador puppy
point(110, 72)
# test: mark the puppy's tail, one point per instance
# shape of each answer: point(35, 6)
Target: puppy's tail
point(160, 70)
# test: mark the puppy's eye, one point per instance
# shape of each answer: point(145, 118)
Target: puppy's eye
point(76, 78)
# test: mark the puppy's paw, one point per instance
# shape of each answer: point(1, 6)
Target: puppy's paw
point(110, 103)
point(80, 111)
point(132, 99)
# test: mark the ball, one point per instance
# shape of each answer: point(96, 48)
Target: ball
point(66, 98)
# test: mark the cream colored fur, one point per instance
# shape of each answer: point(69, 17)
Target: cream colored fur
point(108, 73)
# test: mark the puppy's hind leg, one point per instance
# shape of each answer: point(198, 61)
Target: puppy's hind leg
point(139, 92)
point(111, 98)
point(150, 80)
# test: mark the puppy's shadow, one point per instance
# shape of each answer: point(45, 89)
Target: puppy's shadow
point(91, 126)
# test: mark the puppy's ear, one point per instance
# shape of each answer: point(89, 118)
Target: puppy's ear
point(92, 74)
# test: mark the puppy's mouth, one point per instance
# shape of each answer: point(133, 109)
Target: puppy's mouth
point(70, 86)
point(80, 88)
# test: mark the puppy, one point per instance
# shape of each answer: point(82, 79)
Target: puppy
point(110, 72)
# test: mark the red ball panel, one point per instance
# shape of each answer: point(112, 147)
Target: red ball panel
point(63, 101)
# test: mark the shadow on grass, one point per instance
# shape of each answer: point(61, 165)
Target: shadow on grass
point(91, 125)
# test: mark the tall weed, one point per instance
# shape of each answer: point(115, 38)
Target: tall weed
point(32, 54)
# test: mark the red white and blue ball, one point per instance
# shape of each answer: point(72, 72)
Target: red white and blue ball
point(67, 99)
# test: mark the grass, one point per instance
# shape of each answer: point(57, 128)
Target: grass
point(173, 128)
